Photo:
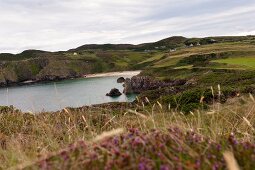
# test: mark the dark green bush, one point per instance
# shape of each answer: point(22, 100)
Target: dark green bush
point(189, 100)
point(197, 59)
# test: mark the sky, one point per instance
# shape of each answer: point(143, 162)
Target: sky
point(55, 25)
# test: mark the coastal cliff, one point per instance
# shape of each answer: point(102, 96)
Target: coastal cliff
point(138, 84)
point(37, 66)
point(35, 70)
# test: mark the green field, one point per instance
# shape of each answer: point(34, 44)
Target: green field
point(246, 62)
point(225, 49)
point(155, 57)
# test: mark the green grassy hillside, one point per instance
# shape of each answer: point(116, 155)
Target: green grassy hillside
point(228, 65)
point(42, 65)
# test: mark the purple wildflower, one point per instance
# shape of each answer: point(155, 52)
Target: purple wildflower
point(198, 164)
point(142, 166)
point(64, 155)
point(164, 167)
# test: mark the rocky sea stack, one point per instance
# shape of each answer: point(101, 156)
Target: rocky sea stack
point(121, 80)
point(114, 93)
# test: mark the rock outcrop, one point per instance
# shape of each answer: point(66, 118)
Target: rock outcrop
point(128, 86)
point(114, 93)
point(138, 84)
point(121, 80)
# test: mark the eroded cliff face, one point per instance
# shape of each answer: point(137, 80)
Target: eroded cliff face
point(138, 84)
point(7, 76)
point(55, 71)
point(40, 69)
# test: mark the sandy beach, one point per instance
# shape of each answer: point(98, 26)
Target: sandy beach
point(110, 74)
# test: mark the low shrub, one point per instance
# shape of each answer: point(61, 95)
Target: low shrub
point(189, 100)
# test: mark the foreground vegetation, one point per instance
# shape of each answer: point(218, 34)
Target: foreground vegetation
point(130, 137)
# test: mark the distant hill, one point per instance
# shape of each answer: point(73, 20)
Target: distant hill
point(105, 47)
point(171, 42)
point(167, 43)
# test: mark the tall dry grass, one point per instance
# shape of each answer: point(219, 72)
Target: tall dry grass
point(24, 138)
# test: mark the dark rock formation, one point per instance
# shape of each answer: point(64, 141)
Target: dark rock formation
point(128, 86)
point(2, 82)
point(143, 83)
point(121, 80)
point(56, 73)
point(138, 84)
point(114, 93)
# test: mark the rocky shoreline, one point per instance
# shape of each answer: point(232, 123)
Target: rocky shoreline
point(31, 82)
point(48, 79)
point(139, 84)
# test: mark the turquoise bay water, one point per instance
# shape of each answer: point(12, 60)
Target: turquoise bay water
point(54, 96)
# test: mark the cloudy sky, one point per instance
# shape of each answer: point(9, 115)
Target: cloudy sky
point(64, 24)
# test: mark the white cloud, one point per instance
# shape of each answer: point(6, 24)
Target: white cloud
point(64, 24)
